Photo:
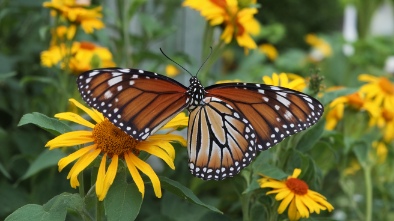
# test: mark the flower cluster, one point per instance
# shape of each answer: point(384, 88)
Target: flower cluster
point(64, 51)
point(237, 19)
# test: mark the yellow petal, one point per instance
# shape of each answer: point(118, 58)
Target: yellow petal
point(282, 194)
point(73, 117)
point(70, 139)
point(292, 212)
point(146, 169)
point(284, 81)
point(301, 207)
point(296, 172)
point(109, 176)
point(267, 80)
point(179, 120)
point(93, 114)
point(167, 138)
point(80, 165)
point(367, 78)
point(285, 202)
point(135, 174)
point(101, 176)
point(77, 154)
point(154, 150)
point(273, 184)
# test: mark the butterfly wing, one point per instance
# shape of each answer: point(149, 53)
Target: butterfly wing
point(274, 112)
point(220, 140)
point(138, 102)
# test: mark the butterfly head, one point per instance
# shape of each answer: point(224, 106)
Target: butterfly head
point(196, 93)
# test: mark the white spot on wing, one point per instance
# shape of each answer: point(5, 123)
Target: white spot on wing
point(114, 80)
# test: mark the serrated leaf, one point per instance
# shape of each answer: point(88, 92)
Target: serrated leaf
point(311, 136)
point(47, 158)
point(52, 125)
point(123, 201)
point(54, 210)
point(183, 192)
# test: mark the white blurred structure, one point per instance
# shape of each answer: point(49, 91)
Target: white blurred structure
point(382, 22)
point(349, 30)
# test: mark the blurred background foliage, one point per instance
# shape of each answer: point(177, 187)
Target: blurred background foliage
point(338, 162)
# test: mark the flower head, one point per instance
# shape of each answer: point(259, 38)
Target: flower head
point(269, 50)
point(296, 196)
point(355, 101)
point(385, 121)
point(238, 21)
point(288, 80)
point(107, 141)
point(77, 13)
point(81, 57)
point(379, 90)
point(171, 70)
point(321, 48)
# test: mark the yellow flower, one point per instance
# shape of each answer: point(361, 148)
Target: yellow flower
point(385, 120)
point(321, 48)
point(171, 70)
point(112, 144)
point(353, 167)
point(77, 13)
point(238, 22)
point(269, 50)
point(355, 101)
point(228, 81)
point(296, 195)
point(81, 57)
point(379, 90)
point(381, 151)
point(287, 80)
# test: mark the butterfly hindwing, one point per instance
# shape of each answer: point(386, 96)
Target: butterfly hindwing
point(221, 141)
point(274, 112)
point(138, 102)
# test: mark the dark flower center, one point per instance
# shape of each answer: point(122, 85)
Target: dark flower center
point(297, 186)
point(112, 140)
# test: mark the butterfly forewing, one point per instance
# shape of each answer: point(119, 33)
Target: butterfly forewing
point(139, 102)
point(221, 141)
point(274, 112)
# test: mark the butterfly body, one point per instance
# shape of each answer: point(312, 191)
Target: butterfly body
point(228, 123)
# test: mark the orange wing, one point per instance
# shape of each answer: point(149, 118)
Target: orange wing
point(220, 140)
point(138, 102)
point(274, 112)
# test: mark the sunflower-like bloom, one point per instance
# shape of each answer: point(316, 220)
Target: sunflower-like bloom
point(81, 57)
point(385, 121)
point(356, 101)
point(296, 195)
point(77, 13)
point(379, 90)
point(238, 21)
point(321, 48)
point(287, 80)
point(112, 144)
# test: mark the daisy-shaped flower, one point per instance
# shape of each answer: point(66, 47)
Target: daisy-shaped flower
point(269, 50)
point(107, 141)
point(287, 80)
point(77, 13)
point(238, 22)
point(296, 196)
point(354, 101)
point(385, 121)
point(321, 48)
point(81, 57)
point(379, 90)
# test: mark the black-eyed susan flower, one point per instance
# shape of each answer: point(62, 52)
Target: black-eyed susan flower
point(77, 13)
point(295, 195)
point(379, 90)
point(171, 70)
point(288, 80)
point(107, 141)
point(81, 57)
point(239, 23)
point(356, 101)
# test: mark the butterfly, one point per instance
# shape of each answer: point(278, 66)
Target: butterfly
point(228, 125)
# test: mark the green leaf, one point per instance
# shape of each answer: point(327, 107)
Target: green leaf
point(311, 136)
point(270, 171)
point(123, 201)
point(361, 150)
point(4, 171)
point(183, 192)
point(54, 210)
point(52, 125)
point(47, 158)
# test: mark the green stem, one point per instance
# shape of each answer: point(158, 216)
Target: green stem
point(368, 193)
point(245, 201)
point(81, 185)
point(100, 211)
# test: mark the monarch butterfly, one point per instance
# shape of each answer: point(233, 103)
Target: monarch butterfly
point(228, 123)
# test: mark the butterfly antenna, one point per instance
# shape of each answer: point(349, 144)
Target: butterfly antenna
point(175, 62)
point(210, 53)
